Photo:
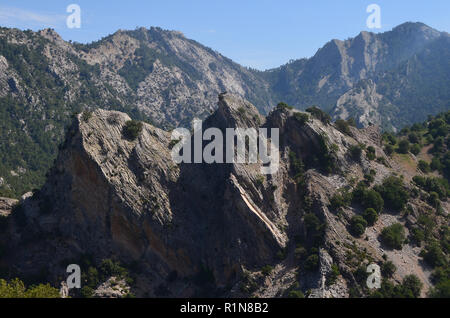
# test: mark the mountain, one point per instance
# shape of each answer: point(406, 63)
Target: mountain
point(119, 206)
point(154, 75)
point(390, 79)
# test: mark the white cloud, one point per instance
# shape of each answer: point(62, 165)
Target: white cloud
point(24, 18)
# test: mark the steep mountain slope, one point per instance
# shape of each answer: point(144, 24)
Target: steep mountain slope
point(392, 79)
point(337, 66)
point(224, 229)
point(156, 75)
point(406, 94)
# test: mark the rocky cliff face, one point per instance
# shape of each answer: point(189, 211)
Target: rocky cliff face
point(164, 78)
point(188, 226)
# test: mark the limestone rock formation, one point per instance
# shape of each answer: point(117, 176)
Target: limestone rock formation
point(186, 226)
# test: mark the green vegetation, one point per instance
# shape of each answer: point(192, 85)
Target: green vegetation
point(315, 229)
point(132, 129)
point(371, 154)
point(393, 236)
point(389, 149)
point(266, 270)
point(325, 157)
point(319, 114)
point(31, 135)
point(296, 294)
point(368, 198)
point(86, 115)
point(284, 106)
point(17, 289)
point(355, 152)
point(423, 166)
point(371, 216)
point(388, 269)
point(358, 225)
point(340, 199)
point(433, 184)
point(403, 146)
point(333, 275)
point(441, 280)
point(433, 255)
point(393, 192)
point(415, 149)
point(409, 288)
point(302, 118)
point(343, 126)
point(312, 262)
point(298, 167)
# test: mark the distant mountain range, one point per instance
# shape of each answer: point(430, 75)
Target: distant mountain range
point(390, 79)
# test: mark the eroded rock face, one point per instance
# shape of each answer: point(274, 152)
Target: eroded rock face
point(6, 206)
point(111, 197)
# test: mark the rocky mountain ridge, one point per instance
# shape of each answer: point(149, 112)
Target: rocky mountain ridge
point(166, 79)
point(215, 229)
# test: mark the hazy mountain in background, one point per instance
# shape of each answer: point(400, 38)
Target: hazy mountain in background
point(392, 79)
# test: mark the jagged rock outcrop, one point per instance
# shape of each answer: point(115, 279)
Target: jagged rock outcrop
point(6, 206)
point(165, 78)
point(112, 197)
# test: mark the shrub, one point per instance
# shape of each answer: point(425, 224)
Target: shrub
point(389, 149)
point(302, 118)
point(343, 126)
point(266, 270)
point(441, 290)
point(434, 255)
point(433, 184)
point(87, 292)
point(17, 289)
point(355, 152)
point(403, 146)
point(441, 279)
point(388, 269)
point(312, 262)
point(417, 235)
point(372, 199)
point(315, 228)
point(411, 286)
point(283, 106)
point(393, 193)
point(371, 216)
point(415, 149)
point(319, 114)
point(259, 180)
point(332, 275)
point(110, 268)
point(86, 115)
point(393, 236)
point(296, 294)
point(132, 129)
point(361, 274)
point(433, 199)
point(371, 155)
point(424, 166)
point(358, 225)
point(339, 200)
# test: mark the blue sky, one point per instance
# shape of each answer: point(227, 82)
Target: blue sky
point(257, 33)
